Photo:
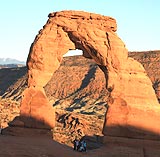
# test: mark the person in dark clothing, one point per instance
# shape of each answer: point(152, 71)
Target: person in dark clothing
point(76, 144)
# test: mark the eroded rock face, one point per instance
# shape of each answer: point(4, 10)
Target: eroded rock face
point(96, 36)
point(125, 120)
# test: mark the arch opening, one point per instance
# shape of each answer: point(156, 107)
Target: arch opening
point(79, 99)
point(73, 53)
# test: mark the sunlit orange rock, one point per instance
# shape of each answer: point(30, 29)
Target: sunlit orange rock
point(125, 120)
point(35, 110)
point(95, 35)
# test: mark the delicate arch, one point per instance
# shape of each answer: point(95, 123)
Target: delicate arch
point(95, 35)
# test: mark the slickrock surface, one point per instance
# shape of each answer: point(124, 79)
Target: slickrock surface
point(12, 146)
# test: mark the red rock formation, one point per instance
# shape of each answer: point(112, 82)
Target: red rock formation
point(96, 35)
point(127, 120)
point(64, 31)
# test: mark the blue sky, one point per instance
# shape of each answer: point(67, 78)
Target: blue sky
point(138, 22)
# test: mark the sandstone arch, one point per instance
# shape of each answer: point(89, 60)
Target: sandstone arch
point(96, 36)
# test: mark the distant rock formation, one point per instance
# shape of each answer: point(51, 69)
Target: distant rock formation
point(127, 83)
point(4, 61)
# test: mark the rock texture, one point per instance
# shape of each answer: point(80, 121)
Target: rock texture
point(95, 35)
point(151, 62)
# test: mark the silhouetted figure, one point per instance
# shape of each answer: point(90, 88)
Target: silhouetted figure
point(76, 144)
point(79, 146)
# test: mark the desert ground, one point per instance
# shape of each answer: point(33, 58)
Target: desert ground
point(12, 146)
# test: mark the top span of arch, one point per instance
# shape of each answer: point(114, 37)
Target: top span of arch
point(102, 21)
point(94, 34)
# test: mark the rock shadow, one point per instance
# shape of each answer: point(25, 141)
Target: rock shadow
point(87, 79)
point(10, 76)
point(85, 82)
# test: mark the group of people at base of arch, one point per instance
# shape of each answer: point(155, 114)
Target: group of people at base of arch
point(80, 145)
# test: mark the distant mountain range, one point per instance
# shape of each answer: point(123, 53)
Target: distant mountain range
point(10, 61)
